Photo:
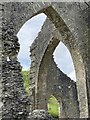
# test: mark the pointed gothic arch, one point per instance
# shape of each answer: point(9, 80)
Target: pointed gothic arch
point(71, 38)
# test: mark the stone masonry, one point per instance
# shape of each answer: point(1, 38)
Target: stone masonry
point(51, 81)
point(66, 22)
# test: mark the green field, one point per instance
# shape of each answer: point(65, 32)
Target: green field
point(52, 102)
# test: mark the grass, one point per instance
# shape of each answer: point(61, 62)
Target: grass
point(53, 105)
point(26, 78)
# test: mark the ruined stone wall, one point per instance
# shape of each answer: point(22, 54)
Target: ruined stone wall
point(75, 39)
point(37, 51)
point(64, 89)
point(49, 77)
point(70, 19)
point(0, 60)
point(14, 98)
point(52, 81)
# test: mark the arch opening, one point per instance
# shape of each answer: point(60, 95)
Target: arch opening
point(83, 80)
point(53, 107)
point(26, 35)
point(63, 59)
point(60, 30)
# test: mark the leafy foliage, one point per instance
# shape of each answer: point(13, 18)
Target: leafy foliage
point(53, 106)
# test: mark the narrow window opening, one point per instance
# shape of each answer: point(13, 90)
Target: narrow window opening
point(64, 61)
point(53, 107)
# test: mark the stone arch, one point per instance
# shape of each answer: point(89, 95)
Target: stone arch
point(80, 62)
point(77, 66)
point(76, 51)
point(51, 79)
point(62, 112)
point(25, 11)
point(37, 7)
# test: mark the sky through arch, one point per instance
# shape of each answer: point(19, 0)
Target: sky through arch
point(64, 61)
point(28, 33)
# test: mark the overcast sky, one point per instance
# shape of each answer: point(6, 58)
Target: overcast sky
point(28, 33)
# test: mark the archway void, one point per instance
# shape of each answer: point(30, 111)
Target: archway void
point(64, 61)
point(27, 34)
point(53, 106)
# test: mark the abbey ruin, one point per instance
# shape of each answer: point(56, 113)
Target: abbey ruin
point(68, 22)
